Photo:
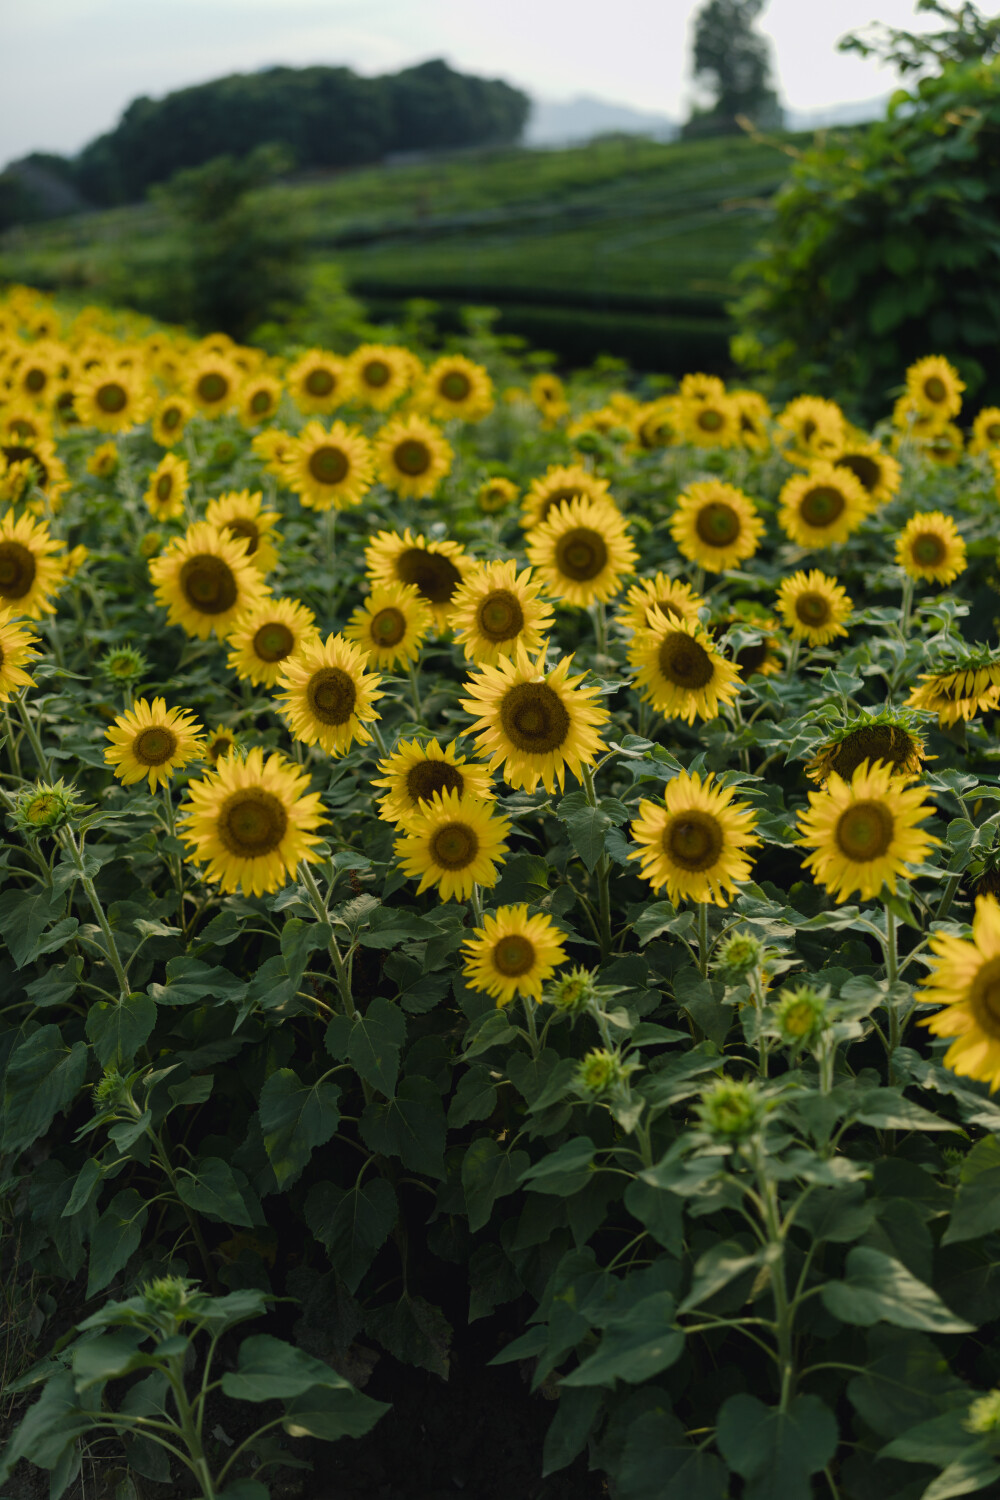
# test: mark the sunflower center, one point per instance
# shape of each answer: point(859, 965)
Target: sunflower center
point(666, 607)
point(935, 389)
point(328, 465)
point(35, 380)
point(251, 822)
point(500, 616)
point(260, 401)
point(207, 584)
point(17, 570)
point(454, 846)
point(812, 609)
point(273, 641)
point(431, 573)
point(429, 777)
point(16, 453)
point(534, 717)
point(319, 382)
point(219, 746)
point(883, 742)
point(710, 420)
point(985, 997)
point(388, 627)
point(513, 955)
point(557, 497)
point(928, 549)
point(751, 658)
point(111, 397)
point(170, 418)
point(332, 695)
point(19, 427)
point(376, 373)
point(993, 432)
point(412, 457)
point(164, 487)
point(155, 745)
point(213, 386)
point(684, 662)
point(246, 530)
point(693, 840)
point(864, 831)
point(717, 525)
point(581, 554)
point(864, 469)
point(455, 386)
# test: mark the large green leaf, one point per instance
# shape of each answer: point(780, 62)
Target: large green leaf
point(267, 1369)
point(658, 1463)
point(189, 980)
point(410, 1126)
point(24, 915)
point(635, 1346)
point(489, 1173)
point(575, 1419)
point(118, 1031)
point(776, 1451)
point(43, 1077)
point(565, 1171)
point(295, 1118)
point(414, 1332)
point(977, 1203)
point(116, 1237)
point(50, 1427)
point(879, 1288)
point(352, 1224)
point(213, 1188)
point(332, 1414)
point(587, 825)
point(372, 1042)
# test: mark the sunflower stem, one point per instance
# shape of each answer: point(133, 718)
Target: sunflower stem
point(701, 913)
point(601, 872)
point(15, 759)
point(600, 616)
point(319, 906)
point(75, 852)
point(793, 658)
point(173, 859)
point(376, 735)
point(477, 905)
point(529, 1016)
point(948, 897)
point(906, 608)
point(891, 972)
point(415, 693)
point(33, 738)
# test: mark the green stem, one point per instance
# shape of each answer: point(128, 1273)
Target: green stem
point(600, 616)
point(782, 1310)
point(15, 759)
point(189, 1428)
point(701, 911)
point(174, 860)
point(415, 693)
point(376, 735)
point(891, 973)
point(75, 852)
point(950, 891)
point(477, 905)
point(601, 873)
point(162, 1153)
point(322, 915)
point(906, 607)
point(33, 739)
point(529, 1016)
point(793, 658)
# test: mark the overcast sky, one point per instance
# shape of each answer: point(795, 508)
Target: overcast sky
point(69, 67)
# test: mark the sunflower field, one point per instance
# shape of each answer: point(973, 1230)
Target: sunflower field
point(500, 942)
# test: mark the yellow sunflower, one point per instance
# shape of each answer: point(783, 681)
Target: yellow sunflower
point(328, 695)
point(755, 419)
point(880, 737)
point(48, 471)
point(456, 387)
point(694, 846)
point(212, 383)
point(910, 422)
point(104, 460)
point(811, 428)
point(412, 457)
point(380, 374)
point(696, 386)
point(328, 468)
point(864, 833)
point(170, 419)
point(930, 548)
point(878, 472)
point(944, 445)
point(813, 607)
point(986, 430)
point(512, 954)
point(205, 580)
point(711, 421)
point(391, 624)
point(676, 600)
point(823, 507)
point(934, 387)
point(435, 569)
point(716, 526)
point(679, 671)
point(497, 609)
point(242, 515)
point(35, 377)
point(319, 382)
point(259, 399)
point(21, 423)
point(267, 635)
point(30, 572)
point(958, 694)
point(251, 822)
point(167, 488)
point(559, 483)
point(16, 652)
point(112, 400)
point(219, 743)
point(657, 424)
point(534, 723)
point(455, 843)
point(496, 494)
point(154, 741)
point(273, 447)
point(549, 394)
point(418, 770)
point(965, 980)
point(582, 551)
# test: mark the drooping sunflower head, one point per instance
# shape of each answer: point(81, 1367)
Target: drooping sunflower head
point(391, 625)
point(205, 580)
point(582, 552)
point(513, 954)
point(679, 671)
point(412, 456)
point(929, 548)
point(560, 483)
point(456, 387)
point(170, 419)
point(111, 398)
point(16, 652)
point(497, 609)
point(676, 600)
point(810, 427)
point(242, 515)
point(934, 387)
point(417, 771)
point(495, 494)
point(965, 981)
point(328, 695)
point(149, 740)
point(888, 737)
point(716, 526)
point(454, 843)
point(877, 472)
point(966, 683)
point(265, 636)
point(320, 382)
point(381, 373)
point(167, 488)
point(864, 833)
point(822, 508)
point(436, 569)
point(213, 383)
point(259, 399)
point(756, 649)
point(30, 573)
point(814, 607)
point(694, 846)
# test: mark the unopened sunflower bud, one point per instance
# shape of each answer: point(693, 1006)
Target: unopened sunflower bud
point(731, 1110)
point(123, 663)
point(739, 955)
point(984, 1413)
point(112, 1093)
point(601, 1072)
point(170, 1295)
point(45, 807)
point(572, 993)
point(800, 1015)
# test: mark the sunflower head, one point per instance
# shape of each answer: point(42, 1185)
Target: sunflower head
point(328, 695)
point(694, 845)
point(967, 682)
point(456, 387)
point(149, 740)
point(679, 670)
point(242, 515)
point(716, 526)
point(265, 636)
point(965, 981)
point(801, 1015)
point(320, 381)
point(455, 843)
point(123, 663)
point(46, 807)
point(513, 954)
point(559, 484)
point(494, 495)
point(205, 580)
point(582, 551)
point(328, 468)
point(418, 771)
point(930, 549)
point(888, 737)
point(934, 387)
point(813, 607)
point(822, 508)
point(434, 568)
point(730, 1111)
point(412, 456)
point(391, 625)
point(864, 834)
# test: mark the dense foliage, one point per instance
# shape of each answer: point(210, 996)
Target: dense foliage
point(733, 61)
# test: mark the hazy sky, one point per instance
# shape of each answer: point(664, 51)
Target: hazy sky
point(69, 67)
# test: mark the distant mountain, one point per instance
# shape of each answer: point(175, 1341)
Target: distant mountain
point(559, 123)
point(858, 113)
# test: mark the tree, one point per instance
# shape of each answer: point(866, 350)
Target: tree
point(734, 62)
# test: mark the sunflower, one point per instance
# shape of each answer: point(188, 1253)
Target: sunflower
point(929, 548)
point(755, 418)
point(496, 494)
point(697, 386)
point(878, 472)
point(267, 635)
point(328, 468)
point(710, 421)
point(212, 383)
point(971, 686)
point(910, 422)
point(559, 483)
point(582, 551)
point(813, 607)
point(380, 374)
point(48, 471)
point(944, 445)
point(170, 419)
point(391, 624)
point(219, 743)
point(29, 571)
point(549, 394)
point(35, 377)
point(512, 954)
point(694, 846)
point(21, 423)
point(456, 387)
point(435, 569)
point(608, 421)
point(885, 737)
point(811, 427)
point(241, 515)
point(934, 387)
point(986, 430)
point(154, 741)
point(167, 488)
point(260, 397)
point(676, 600)
point(454, 843)
point(536, 724)
point(679, 671)
point(496, 610)
point(104, 460)
point(716, 526)
point(205, 580)
point(16, 651)
point(965, 980)
point(319, 382)
point(863, 832)
point(417, 771)
point(657, 424)
point(758, 657)
point(273, 447)
point(113, 400)
point(823, 507)
point(329, 696)
point(251, 822)
point(412, 457)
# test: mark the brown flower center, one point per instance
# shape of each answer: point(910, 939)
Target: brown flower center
point(320, 382)
point(220, 746)
point(251, 822)
point(710, 420)
point(880, 743)
point(935, 389)
point(328, 465)
point(17, 570)
point(717, 524)
point(170, 418)
point(534, 717)
point(813, 609)
point(16, 453)
point(111, 397)
point(412, 457)
point(332, 694)
point(376, 373)
point(164, 488)
point(822, 506)
point(273, 641)
point(513, 955)
point(500, 616)
point(208, 585)
point(693, 840)
point(863, 467)
point(246, 530)
point(429, 777)
point(155, 745)
point(993, 432)
point(455, 386)
point(261, 402)
point(454, 846)
point(388, 627)
point(985, 996)
point(557, 497)
point(928, 550)
point(432, 574)
point(581, 554)
point(35, 380)
point(685, 662)
point(213, 387)
point(864, 831)
point(751, 658)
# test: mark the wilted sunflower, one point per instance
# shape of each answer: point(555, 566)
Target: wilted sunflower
point(534, 723)
point(496, 494)
point(241, 515)
point(711, 421)
point(887, 737)
point(380, 374)
point(153, 741)
point(455, 843)
point(965, 980)
point(391, 625)
point(16, 652)
point(676, 600)
point(30, 573)
point(219, 743)
point(512, 954)
point(716, 526)
point(328, 695)
point(823, 507)
point(986, 430)
point(657, 424)
point(877, 472)
point(679, 671)
point(170, 419)
point(814, 607)
point(496, 610)
point(319, 382)
point(456, 387)
point(970, 686)
point(864, 833)
point(412, 456)
point(418, 770)
point(112, 400)
point(167, 488)
point(104, 460)
point(205, 580)
point(259, 399)
point(328, 469)
point(435, 569)
point(582, 551)
point(265, 636)
point(251, 822)
point(934, 387)
point(212, 383)
point(694, 846)
point(930, 548)
point(810, 428)
point(559, 483)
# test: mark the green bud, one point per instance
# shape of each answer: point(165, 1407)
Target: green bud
point(984, 1413)
point(46, 806)
point(800, 1015)
point(123, 663)
point(601, 1072)
point(170, 1295)
point(572, 993)
point(739, 955)
point(730, 1110)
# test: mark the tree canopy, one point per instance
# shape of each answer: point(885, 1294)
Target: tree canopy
point(733, 61)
